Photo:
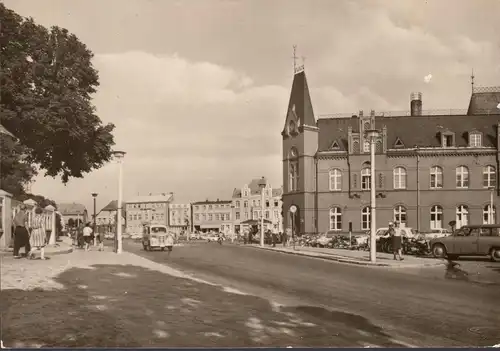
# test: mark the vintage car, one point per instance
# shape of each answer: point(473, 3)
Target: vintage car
point(154, 237)
point(470, 240)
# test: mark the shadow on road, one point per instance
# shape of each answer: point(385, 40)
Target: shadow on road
point(131, 306)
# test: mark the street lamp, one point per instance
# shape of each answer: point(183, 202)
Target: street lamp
point(262, 185)
point(94, 195)
point(119, 155)
point(372, 135)
point(492, 212)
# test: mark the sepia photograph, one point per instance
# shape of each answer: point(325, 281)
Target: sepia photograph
point(249, 173)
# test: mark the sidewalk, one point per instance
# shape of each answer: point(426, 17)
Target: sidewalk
point(64, 246)
point(355, 256)
point(102, 299)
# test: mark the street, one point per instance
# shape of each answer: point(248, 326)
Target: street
point(441, 306)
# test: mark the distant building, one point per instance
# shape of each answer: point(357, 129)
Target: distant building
point(106, 218)
point(73, 213)
point(212, 216)
point(179, 217)
point(432, 167)
point(247, 206)
point(152, 209)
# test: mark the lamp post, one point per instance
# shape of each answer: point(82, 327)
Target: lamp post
point(372, 135)
point(262, 185)
point(119, 155)
point(492, 212)
point(94, 195)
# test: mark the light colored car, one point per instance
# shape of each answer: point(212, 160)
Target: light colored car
point(470, 240)
point(407, 232)
point(436, 233)
point(212, 237)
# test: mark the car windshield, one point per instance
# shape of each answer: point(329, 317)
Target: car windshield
point(158, 230)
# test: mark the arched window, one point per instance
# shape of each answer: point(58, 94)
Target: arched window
point(436, 217)
point(293, 170)
point(489, 177)
point(335, 179)
point(366, 178)
point(436, 177)
point(462, 216)
point(399, 174)
point(366, 218)
point(489, 214)
point(462, 174)
point(335, 218)
point(237, 204)
point(400, 214)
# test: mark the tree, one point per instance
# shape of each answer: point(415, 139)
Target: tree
point(14, 171)
point(47, 81)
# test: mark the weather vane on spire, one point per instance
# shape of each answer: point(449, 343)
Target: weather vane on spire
point(297, 69)
point(472, 80)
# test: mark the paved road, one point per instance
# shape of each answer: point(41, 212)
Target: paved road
point(416, 307)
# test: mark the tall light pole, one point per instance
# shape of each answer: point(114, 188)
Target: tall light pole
point(119, 155)
point(492, 212)
point(372, 135)
point(262, 185)
point(94, 195)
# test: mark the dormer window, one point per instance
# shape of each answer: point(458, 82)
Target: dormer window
point(447, 139)
point(475, 139)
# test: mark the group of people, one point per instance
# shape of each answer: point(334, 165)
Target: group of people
point(90, 237)
point(32, 236)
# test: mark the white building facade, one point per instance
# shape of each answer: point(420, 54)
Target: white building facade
point(152, 209)
point(179, 217)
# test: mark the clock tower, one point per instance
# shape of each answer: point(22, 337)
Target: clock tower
point(300, 143)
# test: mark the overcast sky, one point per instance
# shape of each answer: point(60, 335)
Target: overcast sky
point(198, 90)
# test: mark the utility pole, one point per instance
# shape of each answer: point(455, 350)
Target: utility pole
point(119, 156)
point(372, 135)
point(94, 195)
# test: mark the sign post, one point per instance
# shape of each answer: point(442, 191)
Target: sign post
point(293, 210)
point(350, 235)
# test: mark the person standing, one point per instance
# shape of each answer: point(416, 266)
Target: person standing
point(21, 234)
point(87, 236)
point(38, 236)
point(397, 241)
point(286, 236)
point(273, 238)
point(169, 242)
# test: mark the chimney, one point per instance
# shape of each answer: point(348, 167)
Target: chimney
point(361, 113)
point(416, 104)
point(372, 113)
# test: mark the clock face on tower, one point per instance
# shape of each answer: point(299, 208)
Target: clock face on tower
point(291, 127)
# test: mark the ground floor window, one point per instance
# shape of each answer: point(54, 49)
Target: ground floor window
point(489, 214)
point(335, 218)
point(436, 217)
point(400, 214)
point(366, 218)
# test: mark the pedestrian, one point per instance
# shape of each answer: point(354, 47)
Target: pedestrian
point(87, 236)
point(397, 241)
point(286, 236)
point(21, 233)
point(273, 238)
point(169, 242)
point(38, 237)
point(100, 240)
point(245, 236)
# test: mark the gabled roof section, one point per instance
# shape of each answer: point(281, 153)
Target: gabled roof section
point(335, 146)
point(421, 131)
point(300, 101)
point(398, 143)
point(484, 101)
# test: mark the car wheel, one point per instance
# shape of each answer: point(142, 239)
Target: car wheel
point(439, 251)
point(495, 254)
point(145, 247)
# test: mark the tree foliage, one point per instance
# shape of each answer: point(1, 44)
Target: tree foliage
point(15, 173)
point(47, 81)
point(41, 201)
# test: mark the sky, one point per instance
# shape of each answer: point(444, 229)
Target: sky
point(198, 90)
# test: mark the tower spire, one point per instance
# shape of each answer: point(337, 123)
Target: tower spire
point(294, 59)
point(472, 80)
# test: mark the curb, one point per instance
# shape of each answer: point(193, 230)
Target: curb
point(350, 261)
point(51, 253)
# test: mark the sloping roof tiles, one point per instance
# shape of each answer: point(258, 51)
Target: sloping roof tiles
point(301, 99)
point(71, 209)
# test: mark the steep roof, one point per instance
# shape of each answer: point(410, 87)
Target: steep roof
point(484, 100)
point(300, 100)
point(112, 206)
point(422, 131)
point(255, 189)
point(71, 209)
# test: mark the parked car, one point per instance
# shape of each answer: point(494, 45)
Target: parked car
point(212, 237)
point(384, 241)
point(470, 240)
point(195, 236)
point(436, 233)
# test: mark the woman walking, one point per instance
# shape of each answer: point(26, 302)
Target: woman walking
point(38, 236)
point(87, 236)
point(397, 241)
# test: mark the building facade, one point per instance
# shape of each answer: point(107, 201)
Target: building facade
point(152, 209)
point(106, 218)
point(432, 167)
point(212, 216)
point(247, 206)
point(73, 214)
point(179, 217)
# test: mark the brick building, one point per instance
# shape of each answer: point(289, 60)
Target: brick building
point(432, 167)
point(247, 206)
point(212, 216)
